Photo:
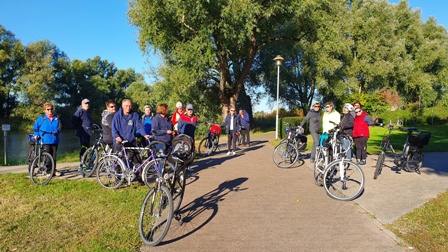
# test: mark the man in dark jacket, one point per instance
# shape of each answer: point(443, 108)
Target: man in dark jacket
point(82, 122)
point(314, 127)
point(243, 116)
point(106, 121)
point(125, 123)
point(232, 124)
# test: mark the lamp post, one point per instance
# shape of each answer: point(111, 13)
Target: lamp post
point(278, 61)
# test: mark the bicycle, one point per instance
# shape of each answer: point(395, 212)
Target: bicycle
point(288, 151)
point(113, 168)
point(160, 206)
point(342, 179)
point(41, 165)
point(412, 155)
point(90, 158)
point(210, 142)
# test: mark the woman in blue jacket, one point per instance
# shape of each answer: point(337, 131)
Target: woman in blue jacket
point(162, 128)
point(47, 127)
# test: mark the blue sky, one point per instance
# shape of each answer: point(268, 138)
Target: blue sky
point(88, 28)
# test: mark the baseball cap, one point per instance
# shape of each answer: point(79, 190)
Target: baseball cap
point(84, 101)
point(189, 106)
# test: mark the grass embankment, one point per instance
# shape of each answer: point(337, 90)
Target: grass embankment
point(68, 215)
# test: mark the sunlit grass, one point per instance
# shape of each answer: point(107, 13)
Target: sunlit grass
point(68, 215)
point(425, 228)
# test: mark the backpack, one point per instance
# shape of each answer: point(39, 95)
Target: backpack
point(183, 147)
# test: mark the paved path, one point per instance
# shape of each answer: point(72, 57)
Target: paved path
point(246, 203)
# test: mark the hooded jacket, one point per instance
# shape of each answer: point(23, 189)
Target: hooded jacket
point(48, 130)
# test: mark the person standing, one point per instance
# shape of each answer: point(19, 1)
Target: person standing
point(162, 127)
point(243, 116)
point(361, 134)
point(313, 116)
point(232, 125)
point(146, 120)
point(106, 121)
point(47, 127)
point(82, 122)
point(347, 123)
point(330, 117)
point(187, 122)
point(177, 114)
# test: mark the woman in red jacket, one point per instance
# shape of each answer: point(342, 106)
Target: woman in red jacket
point(361, 134)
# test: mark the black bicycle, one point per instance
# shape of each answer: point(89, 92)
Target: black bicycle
point(288, 151)
point(411, 158)
point(91, 157)
point(210, 143)
point(40, 163)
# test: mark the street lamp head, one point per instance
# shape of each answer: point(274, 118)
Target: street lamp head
point(278, 60)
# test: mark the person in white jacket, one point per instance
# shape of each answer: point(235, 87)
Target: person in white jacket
point(330, 115)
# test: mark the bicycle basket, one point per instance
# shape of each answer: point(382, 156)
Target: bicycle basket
point(420, 139)
point(215, 129)
point(31, 140)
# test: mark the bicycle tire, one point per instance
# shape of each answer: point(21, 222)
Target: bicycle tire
point(346, 187)
point(42, 169)
point(414, 160)
point(151, 173)
point(215, 143)
point(285, 155)
point(177, 188)
point(379, 165)
point(110, 172)
point(89, 162)
point(156, 215)
point(320, 163)
point(206, 147)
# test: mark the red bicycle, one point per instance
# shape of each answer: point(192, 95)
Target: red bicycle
point(210, 143)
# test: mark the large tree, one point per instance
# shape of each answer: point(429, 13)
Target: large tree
point(217, 40)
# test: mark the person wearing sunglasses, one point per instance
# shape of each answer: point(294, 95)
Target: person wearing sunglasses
point(361, 133)
point(330, 117)
point(47, 127)
point(313, 116)
point(347, 123)
point(106, 121)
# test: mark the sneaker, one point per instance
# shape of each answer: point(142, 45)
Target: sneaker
point(228, 153)
point(233, 153)
point(362, 162)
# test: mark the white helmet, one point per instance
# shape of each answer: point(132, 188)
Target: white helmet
point(349, 107)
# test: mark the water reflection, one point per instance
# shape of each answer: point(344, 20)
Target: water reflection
point(17, 144)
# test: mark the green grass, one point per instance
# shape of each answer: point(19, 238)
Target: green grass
point(425, 228)
point(68, 215)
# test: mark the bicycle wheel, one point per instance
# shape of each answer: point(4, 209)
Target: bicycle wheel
point(154, 169)
point(414, 160)
point(156, 215)
point(42, 169)
point(206, 147)
point(110, 172)
point(285, 155)
point(215, 143)
point(177, 188)
point(89, 162)
point(379, 165)
point(320, 163)
point(346, 183)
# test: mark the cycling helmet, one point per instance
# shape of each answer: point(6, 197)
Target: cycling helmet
point(349, 107)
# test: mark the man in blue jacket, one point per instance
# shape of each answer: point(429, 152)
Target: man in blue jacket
point(232, 124)
point(243, 116)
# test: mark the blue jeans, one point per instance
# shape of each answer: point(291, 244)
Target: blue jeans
point(346, 145)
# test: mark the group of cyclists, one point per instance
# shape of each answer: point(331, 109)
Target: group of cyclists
point(354, 122)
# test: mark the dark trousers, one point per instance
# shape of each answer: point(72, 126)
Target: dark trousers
point(316, 138)
point(85, 144)
point(361, 147)
point(51, 149)
point(231, 141)
point(245, 135)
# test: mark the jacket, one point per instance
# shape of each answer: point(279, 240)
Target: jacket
point(187, 125)
point(327, 118)
point(125, 126)
point(315, 121)
point(48, 130)
point(236, 124)
point(106, 125)
point(82, 122)
point(159, 127)
point(245, 122)
point(347, 123)
point(361, 125)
